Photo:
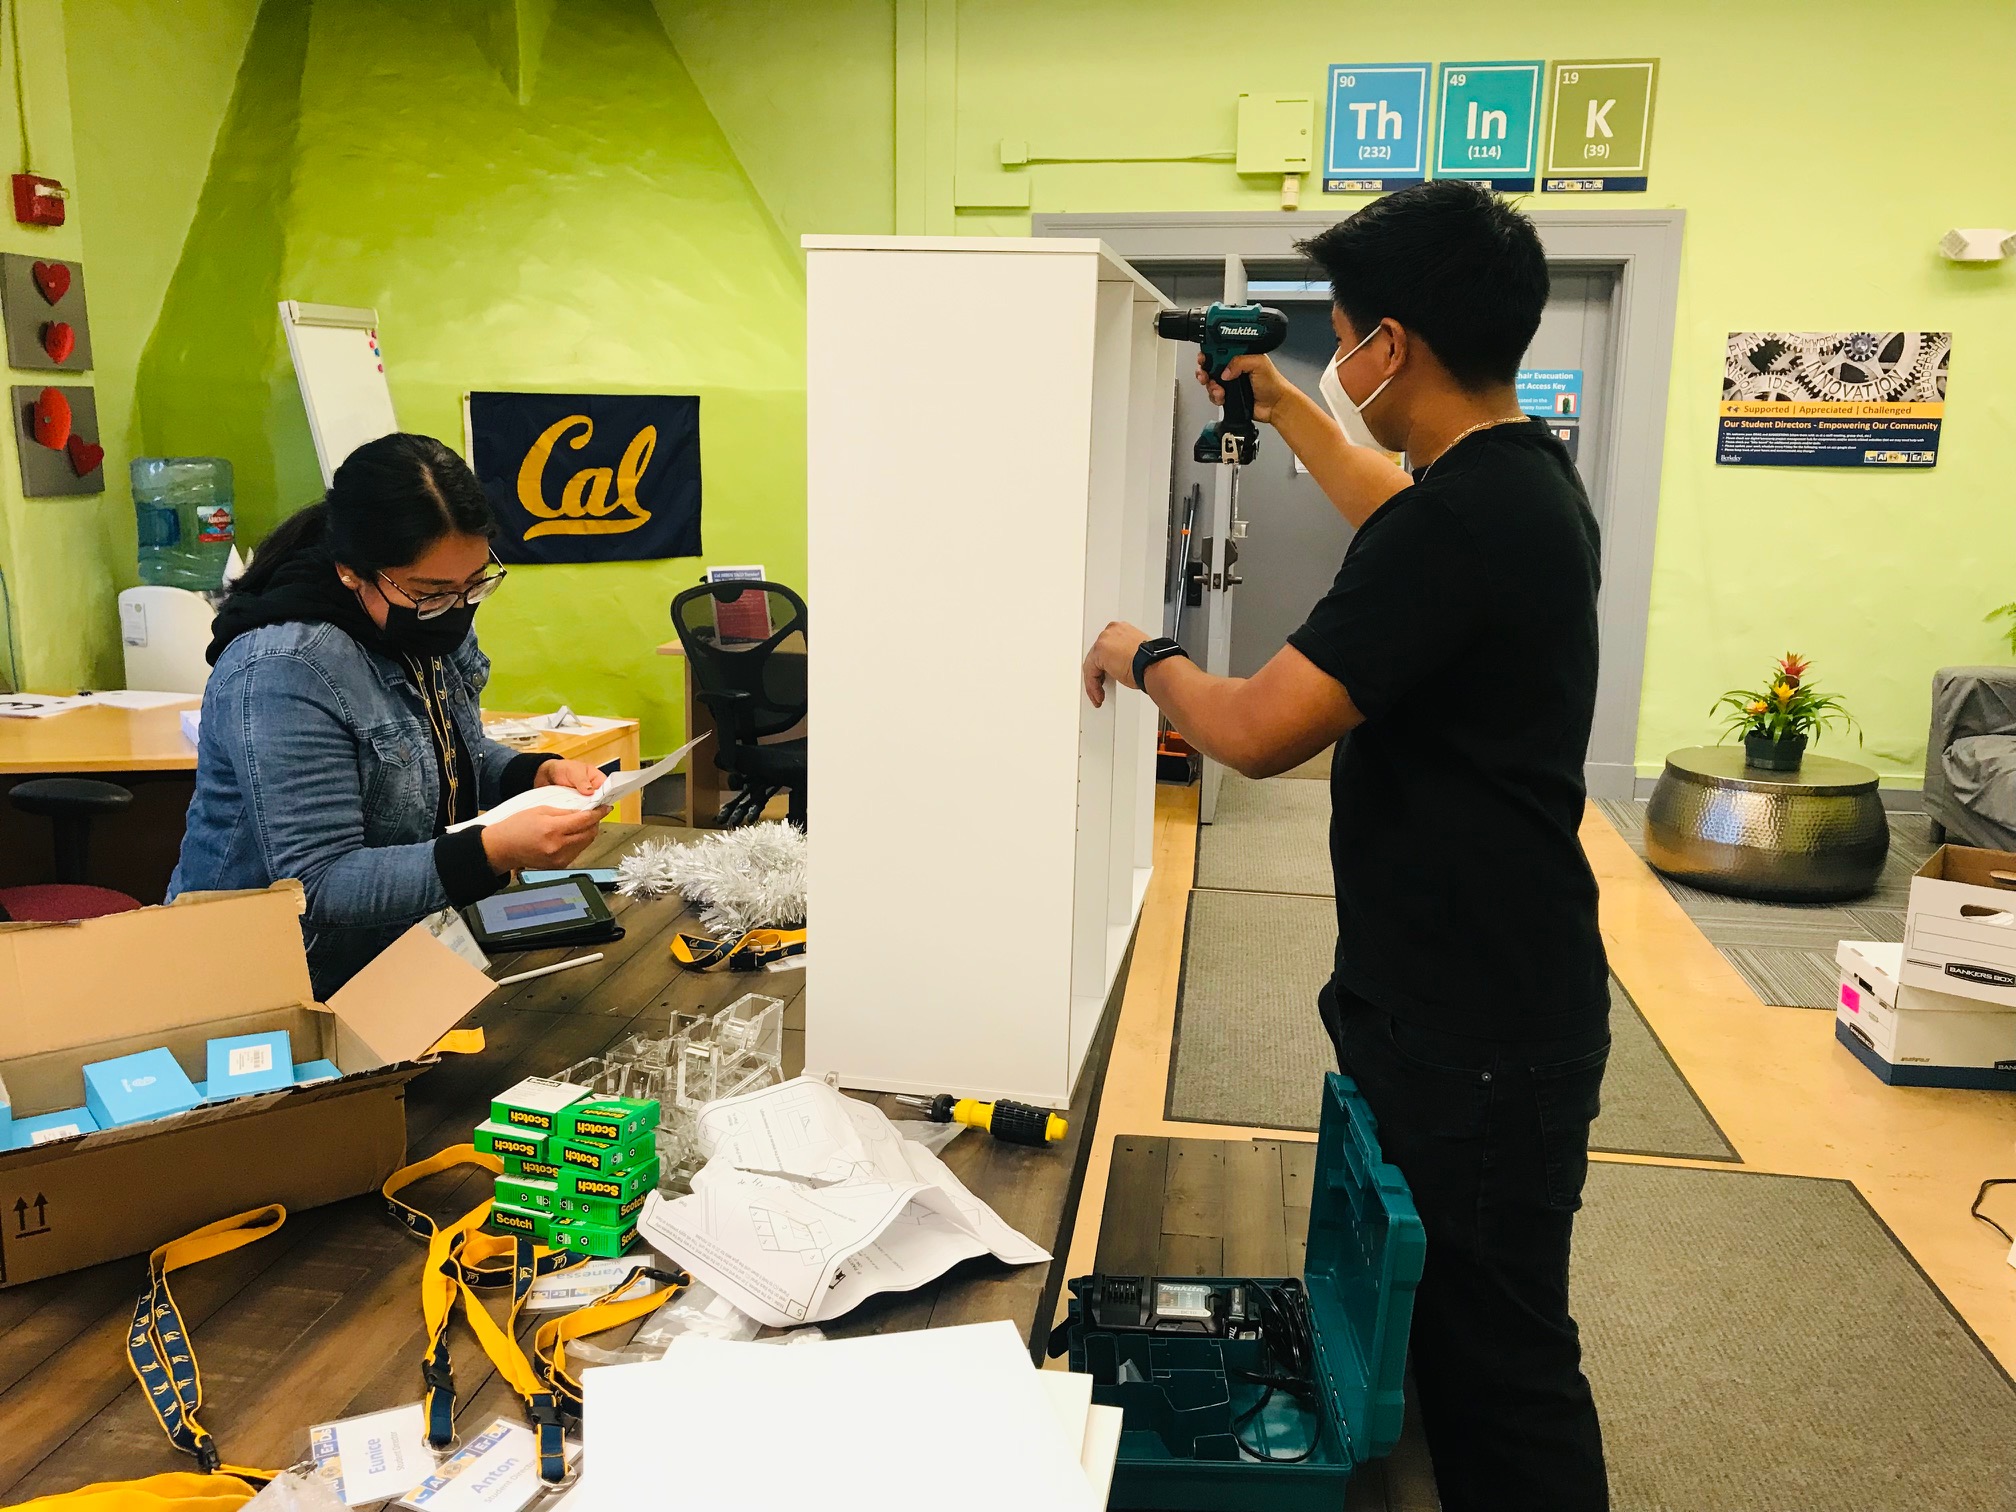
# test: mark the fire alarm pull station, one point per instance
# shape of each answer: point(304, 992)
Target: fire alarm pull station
point(38, 201)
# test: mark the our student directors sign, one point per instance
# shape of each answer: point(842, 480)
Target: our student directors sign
point(1833, 398)
point(589, 477)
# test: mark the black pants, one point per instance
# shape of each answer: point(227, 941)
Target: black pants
point(1493, 1139)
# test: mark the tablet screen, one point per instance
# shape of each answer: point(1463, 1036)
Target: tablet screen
point(532, 908)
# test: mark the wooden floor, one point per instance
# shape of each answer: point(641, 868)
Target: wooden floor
point(1790, 1099)
point(322, 1320)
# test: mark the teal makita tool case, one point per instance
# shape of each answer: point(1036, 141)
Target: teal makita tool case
point(1265, 1392)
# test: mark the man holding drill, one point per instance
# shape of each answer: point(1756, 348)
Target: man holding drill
point(1456, 650)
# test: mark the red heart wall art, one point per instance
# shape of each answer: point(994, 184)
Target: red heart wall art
point(53, 279)
point(50, 420)
point(59, 340)
point(84, 456)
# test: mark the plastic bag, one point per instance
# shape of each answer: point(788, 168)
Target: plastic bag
point(296, 1492)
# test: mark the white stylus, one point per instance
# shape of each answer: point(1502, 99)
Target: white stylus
point(539, 971)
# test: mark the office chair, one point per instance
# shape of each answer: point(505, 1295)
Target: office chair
point(732, 633)
point(70, 804)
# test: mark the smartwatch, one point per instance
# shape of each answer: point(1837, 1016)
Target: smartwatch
point(1151, 651)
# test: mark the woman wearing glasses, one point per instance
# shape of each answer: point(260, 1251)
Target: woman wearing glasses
point(340, 736)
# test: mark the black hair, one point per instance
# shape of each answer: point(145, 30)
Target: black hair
point(391, 499)
point(1457, 266)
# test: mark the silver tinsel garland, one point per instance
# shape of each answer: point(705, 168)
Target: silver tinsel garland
point(740, 879)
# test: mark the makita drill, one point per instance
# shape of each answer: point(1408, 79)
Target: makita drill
point(1224, 332)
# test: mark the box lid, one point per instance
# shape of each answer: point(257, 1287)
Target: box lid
point(1366, 1246)
point(206, 957)
point(412, 994)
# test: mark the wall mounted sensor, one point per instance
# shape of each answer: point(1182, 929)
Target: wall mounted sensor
point(1981, 244)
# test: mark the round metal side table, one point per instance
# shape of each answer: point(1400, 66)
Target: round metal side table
point(1815, 835)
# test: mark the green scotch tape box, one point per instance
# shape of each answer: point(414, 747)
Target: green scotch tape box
point(600, 1158)
point(538, 1170)
point(534, 1104)
point(612, 1120)
point(534, 1225)
point(618, 1188)
point(607, 1210)
point(528, 1193)
point(603, 1239)
point(493, 1138)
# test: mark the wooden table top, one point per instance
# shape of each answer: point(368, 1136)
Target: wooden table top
point(151, 740)
point(100, 739)
point(322, 1321)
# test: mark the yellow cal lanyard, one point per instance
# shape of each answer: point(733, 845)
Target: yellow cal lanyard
point(461, 1261)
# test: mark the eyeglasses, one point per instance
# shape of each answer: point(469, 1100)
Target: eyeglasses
point(429, 606)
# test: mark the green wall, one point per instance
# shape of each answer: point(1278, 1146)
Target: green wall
point(544, 194)
point(561, 217)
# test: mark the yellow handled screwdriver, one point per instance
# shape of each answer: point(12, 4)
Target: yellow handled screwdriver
point(1009, 1122)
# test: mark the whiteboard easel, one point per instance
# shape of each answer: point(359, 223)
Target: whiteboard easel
point(342, 378)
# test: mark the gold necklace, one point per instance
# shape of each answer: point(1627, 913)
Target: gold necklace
point(434, 699)
point(1463, 436)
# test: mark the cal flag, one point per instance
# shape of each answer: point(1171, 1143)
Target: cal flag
point(589, 477)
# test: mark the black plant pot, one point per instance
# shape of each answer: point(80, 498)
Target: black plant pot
point(1768, 755)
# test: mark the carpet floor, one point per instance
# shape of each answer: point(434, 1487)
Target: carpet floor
point(1250, 1049)
point(1785, 951)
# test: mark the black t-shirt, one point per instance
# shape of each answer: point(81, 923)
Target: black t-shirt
point(1463, 625)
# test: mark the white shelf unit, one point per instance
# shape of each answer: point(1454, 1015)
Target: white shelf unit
point(988, 428)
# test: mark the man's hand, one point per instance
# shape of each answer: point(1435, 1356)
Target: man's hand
point(1268, 385)
point(578, 775)
point(1111, 657)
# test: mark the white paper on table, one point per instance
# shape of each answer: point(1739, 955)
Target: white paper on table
point(496, 1471)
point(615, 787)
point(37, 705)
point(545, 724)
point(373, 1457)
point(763, 1429)
point(810, 1202)
point(136, 698)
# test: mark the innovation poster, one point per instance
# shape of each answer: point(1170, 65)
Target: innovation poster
point(1833, 398)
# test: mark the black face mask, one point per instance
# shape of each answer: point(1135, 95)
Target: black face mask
point(442, 635)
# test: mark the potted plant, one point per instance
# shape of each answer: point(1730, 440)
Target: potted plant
point(1777, 719)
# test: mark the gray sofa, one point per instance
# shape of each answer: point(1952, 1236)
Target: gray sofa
point(1970, 756)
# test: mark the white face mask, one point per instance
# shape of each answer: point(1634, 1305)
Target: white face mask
point(1349, 415)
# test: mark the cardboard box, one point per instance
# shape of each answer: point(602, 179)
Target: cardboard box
point(1912, 1037)
point(1960, 926)
point(175, 977)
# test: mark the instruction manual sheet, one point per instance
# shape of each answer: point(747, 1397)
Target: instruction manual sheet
point(810, 1202)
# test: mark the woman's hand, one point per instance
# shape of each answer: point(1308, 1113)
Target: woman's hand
point(578, 775)
point(1268, 384)
point(541, 837)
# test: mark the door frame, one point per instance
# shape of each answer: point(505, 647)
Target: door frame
point(1641, 248)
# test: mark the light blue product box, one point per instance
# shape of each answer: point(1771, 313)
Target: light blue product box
point(6, 1114)
point(247, 1063)
point(44, 1127)
point(316, 1071)
point(135, 1088)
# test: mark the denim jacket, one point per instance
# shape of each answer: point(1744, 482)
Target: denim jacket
point(314, 761)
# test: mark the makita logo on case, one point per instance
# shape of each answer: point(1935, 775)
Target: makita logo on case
point(1987, 976)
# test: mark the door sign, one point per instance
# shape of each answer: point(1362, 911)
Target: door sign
point(1601, 133)
point(1551, 393)
point(1488, 124)
point(1378, 133)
